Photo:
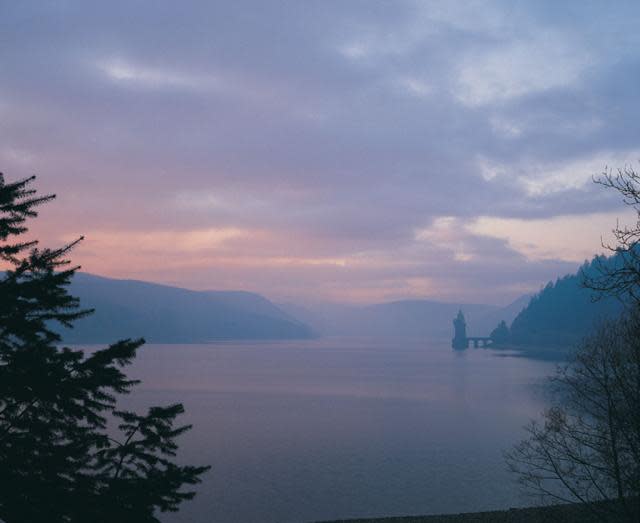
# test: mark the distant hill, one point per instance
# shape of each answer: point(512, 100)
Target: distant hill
point(564, 312)
point(412, 318)
point(488, 321)
point(164, 314)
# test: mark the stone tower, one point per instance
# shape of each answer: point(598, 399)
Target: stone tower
point(459, 340)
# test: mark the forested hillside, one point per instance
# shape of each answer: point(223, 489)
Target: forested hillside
point(564, 311)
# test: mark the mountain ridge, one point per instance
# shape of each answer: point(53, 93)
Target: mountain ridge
point(413, 317)
point(166, 314)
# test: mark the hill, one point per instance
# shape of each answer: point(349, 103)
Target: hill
point(411, 318)
point(164, 314)
point(564, 312)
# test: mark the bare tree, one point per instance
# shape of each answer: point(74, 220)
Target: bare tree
point(620, 275)
point(587, 448)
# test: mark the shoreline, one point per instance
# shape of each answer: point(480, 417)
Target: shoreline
point(570, 513)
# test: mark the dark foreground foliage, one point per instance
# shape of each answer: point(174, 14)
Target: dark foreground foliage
point(67, 454)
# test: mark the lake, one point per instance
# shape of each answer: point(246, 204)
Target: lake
point(303, 431)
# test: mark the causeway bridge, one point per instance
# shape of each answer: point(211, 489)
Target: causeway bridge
point(479, 341)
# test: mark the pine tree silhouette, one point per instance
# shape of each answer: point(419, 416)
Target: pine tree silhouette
point(58, 460)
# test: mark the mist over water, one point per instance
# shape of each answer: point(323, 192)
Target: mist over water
point(338, 428)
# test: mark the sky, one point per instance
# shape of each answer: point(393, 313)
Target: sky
point(353, 151)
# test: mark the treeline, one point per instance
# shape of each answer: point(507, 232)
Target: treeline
point(564, 311)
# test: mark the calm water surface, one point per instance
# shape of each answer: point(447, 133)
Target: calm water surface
point(324, 429)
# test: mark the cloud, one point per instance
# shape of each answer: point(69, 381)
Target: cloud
point(448, 232)
point(415, 86)
point(540, 179)
point(572, 238)
point(14, 156)
point(124, 72)
point(152, 242)
point(516, 69)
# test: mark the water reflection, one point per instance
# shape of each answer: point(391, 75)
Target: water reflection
point(322, 429)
